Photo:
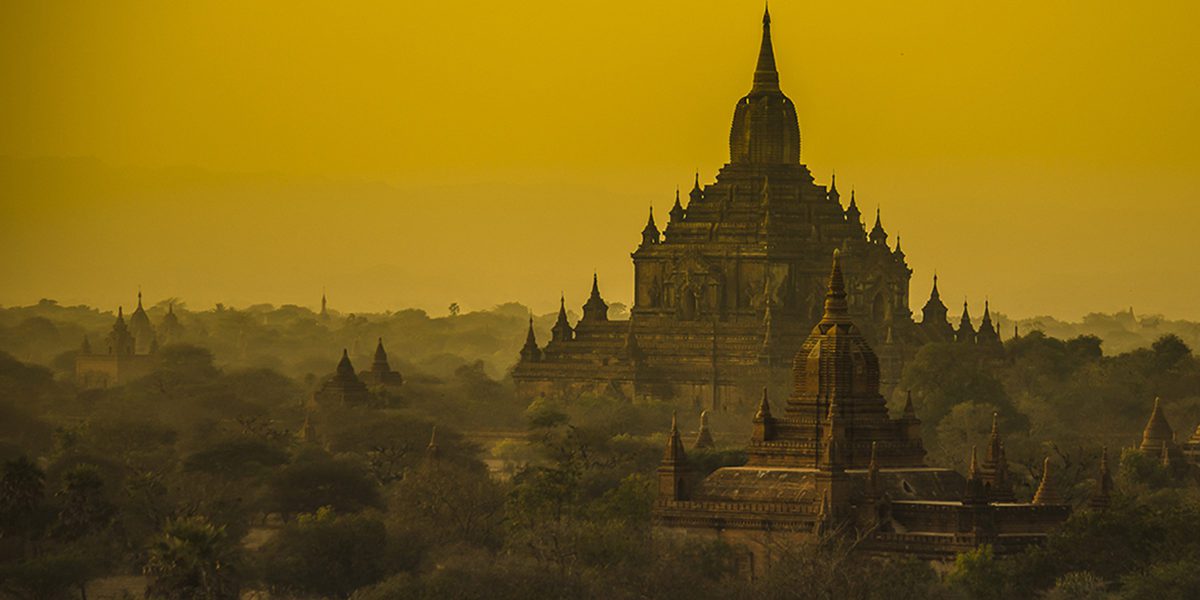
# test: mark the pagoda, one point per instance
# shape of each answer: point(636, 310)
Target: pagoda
point(727, 290)
point(831, 461)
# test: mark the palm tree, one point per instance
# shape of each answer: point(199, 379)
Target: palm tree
point(192, 560)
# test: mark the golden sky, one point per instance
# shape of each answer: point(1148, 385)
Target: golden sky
point(415, 153)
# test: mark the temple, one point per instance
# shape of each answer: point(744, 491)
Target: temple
point(129, 350)
point(832, 461)
point(343, 386)
point(381, 373)
point(726, 292)
point(1159, 442)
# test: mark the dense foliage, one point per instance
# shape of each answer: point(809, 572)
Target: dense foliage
point(216, 475)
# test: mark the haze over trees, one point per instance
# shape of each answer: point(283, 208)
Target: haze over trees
point(215, 475)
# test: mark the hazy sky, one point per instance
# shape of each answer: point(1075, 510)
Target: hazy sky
point(414, 153)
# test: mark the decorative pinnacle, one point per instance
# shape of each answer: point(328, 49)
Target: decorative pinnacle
point(766, 78)
point(764, 408)
point(835, 299)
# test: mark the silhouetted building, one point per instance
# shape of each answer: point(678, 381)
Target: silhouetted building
point(122, 358)
point(1158, 441)
point(833, 462)
point(381, 372)
point(725, 294)
point(343, 387)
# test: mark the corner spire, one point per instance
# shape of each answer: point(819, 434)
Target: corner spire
point(704, 437)
point(764, 407)
point(766, 78)
point(1046, 493)
point(835, 299)
point(530, 351)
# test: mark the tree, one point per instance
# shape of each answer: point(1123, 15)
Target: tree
point(325, 554)
point(314, 480)
point(979, 574)
point(1177, 580)
point(454, 309)
point(458, 503)
point(85, 507)
point(22, 494)
point(192, 560)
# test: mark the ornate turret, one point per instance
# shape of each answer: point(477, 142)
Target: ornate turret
point(704, 438)
point(595, 309)
point(120, 342)
point(853, 215)
point(343, 386)
point(697, 194)
point(674, 473)
point(345, 370)
point(995, 466)
point(1046, 494)
point(878, 235)
point(140, 328)
point(764, 423)
point(976, 491)
point(562, 331)
point(650, 234)
point(836, 366)
point(677, 210)
point(765, 129)
point(934, 317)
point(530, 351)
point(898, 253)
point(1104, 484)
point(833, 193)
point(1158, 432)
point(989, 335)
point(966, 331)
point(381, 372)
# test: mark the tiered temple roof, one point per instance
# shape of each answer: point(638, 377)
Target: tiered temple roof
point(835, 462)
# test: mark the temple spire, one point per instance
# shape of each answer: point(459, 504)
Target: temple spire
point(878, 235)
point(677, 211)
point(650, 234)
point(766, 78)
point(674, 453)
point(562, 331)
point(764, 407)
point(704, 437)
point(529, 352)
point(835, 299)
point(1046, 494)
point(595, 309)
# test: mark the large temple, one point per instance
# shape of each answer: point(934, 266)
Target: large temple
point(726, 292)
point(832, 461)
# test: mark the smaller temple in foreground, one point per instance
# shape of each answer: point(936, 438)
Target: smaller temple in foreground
point(832, 461)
